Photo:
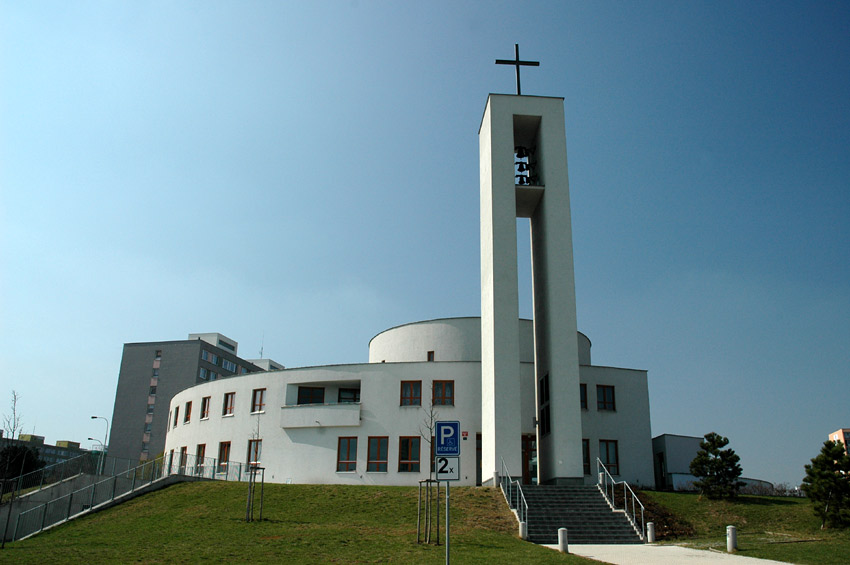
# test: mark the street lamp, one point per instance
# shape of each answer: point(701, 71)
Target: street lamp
point(105, 439)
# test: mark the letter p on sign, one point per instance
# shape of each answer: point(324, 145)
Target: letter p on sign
point(447, 438)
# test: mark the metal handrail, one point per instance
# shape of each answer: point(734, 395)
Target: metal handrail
point(512, 490)
point(603, 483)
point(83, 500)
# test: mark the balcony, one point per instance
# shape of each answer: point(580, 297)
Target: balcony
point(320, 415)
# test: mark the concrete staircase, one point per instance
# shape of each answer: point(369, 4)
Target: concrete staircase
point(581, 509)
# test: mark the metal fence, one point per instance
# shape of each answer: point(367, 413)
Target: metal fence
point(120, 484)
point(631, 504)
point(92, 463)
point(512, 489)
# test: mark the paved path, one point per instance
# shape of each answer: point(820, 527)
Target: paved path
point(660, 555)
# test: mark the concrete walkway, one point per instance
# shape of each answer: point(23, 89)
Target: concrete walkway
point(660, 555)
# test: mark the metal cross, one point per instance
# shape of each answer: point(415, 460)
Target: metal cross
point(517, 63)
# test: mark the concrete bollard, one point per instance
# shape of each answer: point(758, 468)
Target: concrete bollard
point(562, 541)
point(731, 539)
point(650, 532)
point(523, 530)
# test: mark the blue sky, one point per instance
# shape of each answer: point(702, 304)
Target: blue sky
point(302, 175)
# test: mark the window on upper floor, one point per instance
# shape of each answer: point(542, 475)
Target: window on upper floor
point(605, 398)
point(258, 400)
point(227, 405)
point(377, 456)
point(152, 391)
point(443, 393)
point(583, 395)
point(176, 416)
point(311, 395)
point(346, 458)
point(205, 407)
point(348, 395)
point(187, 415)
point(430, 356)
point(158, 354)
point(411, 393)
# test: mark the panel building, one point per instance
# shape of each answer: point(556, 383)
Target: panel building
point(151, 373)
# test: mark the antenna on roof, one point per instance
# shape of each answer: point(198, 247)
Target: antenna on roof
point(262, 343)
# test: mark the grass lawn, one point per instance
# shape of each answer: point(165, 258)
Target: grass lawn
point(204, 522)
point(769, 527)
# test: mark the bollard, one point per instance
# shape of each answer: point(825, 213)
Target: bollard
point(562, 541)
point(731, 539)
point(650, 532)
point(523, 530)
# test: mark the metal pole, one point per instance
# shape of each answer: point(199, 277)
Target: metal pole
point(262, 485)
point(447, 522)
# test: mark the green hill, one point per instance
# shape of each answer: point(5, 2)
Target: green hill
point(205, 522)
point(769, 527)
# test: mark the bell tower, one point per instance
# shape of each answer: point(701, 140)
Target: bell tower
point(523, 174)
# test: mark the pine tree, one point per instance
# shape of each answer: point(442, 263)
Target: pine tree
point(717, 469)
point(827, 485)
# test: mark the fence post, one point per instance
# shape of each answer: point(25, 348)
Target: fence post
point(70, 502)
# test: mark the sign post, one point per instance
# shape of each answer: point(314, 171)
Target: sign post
point(447, 462)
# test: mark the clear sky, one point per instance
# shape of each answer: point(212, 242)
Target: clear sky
point(300, 176)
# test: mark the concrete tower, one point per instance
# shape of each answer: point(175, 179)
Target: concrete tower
point(523, 160)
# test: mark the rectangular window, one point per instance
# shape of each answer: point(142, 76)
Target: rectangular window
point(176, 416)
point(583, 395)
point(605, 397)
point(444, 393)
point(430, 356)
point(311, 395)
point(200, 453)
point(608, 455)
point(155, 373)
point(150, 408)
point(202, 374)
point(411, 393)
point(205, 407)
point(152, 391)
point(585, 455)
point(255, 450)
point(408, 454)
point(377, 458)
point(205, 355)
point(258, 400)
point(188, 415)
point(229, 401)
point(158, 354)
point(223, 456)
point(228, 365)
point(543, 400)
point(348, 395)
point(346, 459)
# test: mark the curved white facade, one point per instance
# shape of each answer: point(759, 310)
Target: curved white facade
point(308, 442)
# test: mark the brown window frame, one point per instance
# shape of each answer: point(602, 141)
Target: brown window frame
point(187, 413)
point(347, 464)
point(443, 399)
point(376, 464)
point(205, 407)
point(223, 456)
point(409, 465)
point(229, 404)
point(603, 403)
point(258, 400)
point(176, 416)
point(415, 396)
point(604, 455)
point(255, 451)
point(430, 356)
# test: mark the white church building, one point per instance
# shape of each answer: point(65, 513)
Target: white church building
point(525, 392)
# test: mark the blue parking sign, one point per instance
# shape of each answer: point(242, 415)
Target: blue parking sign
point(447, 438)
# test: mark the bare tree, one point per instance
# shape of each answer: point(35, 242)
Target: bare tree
point(427, 430)
point(13, 424)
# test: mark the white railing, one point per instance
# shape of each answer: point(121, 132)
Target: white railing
point(513, 494)
point(607, 486)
